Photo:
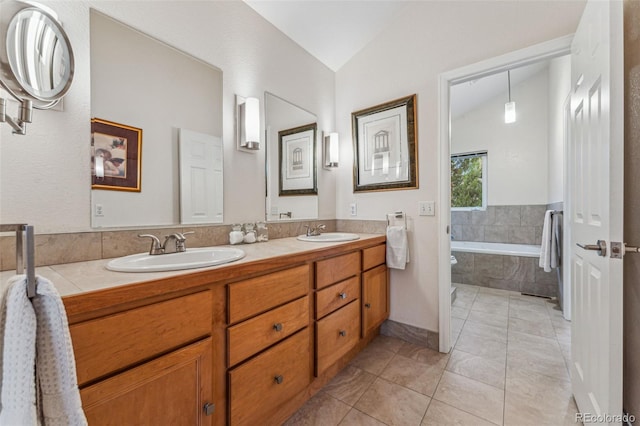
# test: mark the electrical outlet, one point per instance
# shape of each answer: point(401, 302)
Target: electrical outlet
point(274, 210)
point(427, 208)
point(354, 209)
point(99, 210)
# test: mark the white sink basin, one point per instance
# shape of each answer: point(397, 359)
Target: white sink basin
point(190, 259)
point(329, 237)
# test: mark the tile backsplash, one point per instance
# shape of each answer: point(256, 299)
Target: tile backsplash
point(52, 249)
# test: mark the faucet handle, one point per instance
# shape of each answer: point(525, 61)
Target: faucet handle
point(321, 226)
point(182, 234)
point(156, 247)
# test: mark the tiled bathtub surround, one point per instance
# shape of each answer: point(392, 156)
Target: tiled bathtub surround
point(500, 224)
point(53, 249)
point(504, 272)
point(503, 224)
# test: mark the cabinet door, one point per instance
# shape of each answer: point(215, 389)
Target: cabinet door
point(170, 390)
point(375, 298)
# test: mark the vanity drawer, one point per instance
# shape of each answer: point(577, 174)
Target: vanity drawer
point(374, 256)
point(258, 387)
point(336, 334)
point(115, 342)
point(256, 295)
point(337, 268)
point(336, 296)
point(251, 336)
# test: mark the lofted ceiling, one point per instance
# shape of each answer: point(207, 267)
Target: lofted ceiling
point(331, 30)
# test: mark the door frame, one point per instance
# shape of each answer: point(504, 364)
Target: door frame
point(546, 50)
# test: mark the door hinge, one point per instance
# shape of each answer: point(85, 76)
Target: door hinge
point(209, 408)
point(618, 250)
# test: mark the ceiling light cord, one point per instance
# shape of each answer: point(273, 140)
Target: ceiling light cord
point(509, 83)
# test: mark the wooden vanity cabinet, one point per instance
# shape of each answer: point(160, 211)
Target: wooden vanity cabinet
point(268, 343)
point(147, 365)
point(244, 344)
point(170, 390)
point(375, 288)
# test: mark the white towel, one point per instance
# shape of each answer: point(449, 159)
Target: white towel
point(397, 247)
point(58, 401)
point(545, 246)
point(18, 333)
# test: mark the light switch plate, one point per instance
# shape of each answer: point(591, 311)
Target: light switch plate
point(427, 208)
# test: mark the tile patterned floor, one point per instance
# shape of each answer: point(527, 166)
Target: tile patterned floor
point(509, 366)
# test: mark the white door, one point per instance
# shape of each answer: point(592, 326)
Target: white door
point(595, 208)
point(200, 178)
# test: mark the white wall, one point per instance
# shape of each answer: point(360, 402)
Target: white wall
point(517, 152)
point(136, 80)
point(45, 175)
point(559, 87)
point(427, 39)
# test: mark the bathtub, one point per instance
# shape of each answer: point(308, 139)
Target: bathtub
point(504, 266)
point(522, 250)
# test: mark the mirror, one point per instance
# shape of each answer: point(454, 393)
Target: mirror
point(176, 100)
point(288, 126)
point(39, 58)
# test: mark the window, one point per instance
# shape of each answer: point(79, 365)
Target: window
point(469, 181)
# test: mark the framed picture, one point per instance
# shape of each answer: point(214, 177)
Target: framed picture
point(116, 154)
point(385, 146)
point(297, 160)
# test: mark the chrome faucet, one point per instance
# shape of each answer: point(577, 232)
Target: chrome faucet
point(156, 247)
point(174, 243)
point(315, 231)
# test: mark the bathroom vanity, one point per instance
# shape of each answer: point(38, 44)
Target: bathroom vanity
point(244, 343)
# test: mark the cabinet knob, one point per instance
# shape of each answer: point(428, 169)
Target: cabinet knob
point(342, 295)
point(209, 408)
point(367, 305)
point(277, 327)
point(278, 379)
point(343, 333)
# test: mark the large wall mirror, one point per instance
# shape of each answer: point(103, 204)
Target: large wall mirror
point(291, 161)
point(176, 100)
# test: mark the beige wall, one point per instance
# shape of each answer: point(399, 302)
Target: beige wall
point(45, 175)
point(631, 370)
point(425, 40)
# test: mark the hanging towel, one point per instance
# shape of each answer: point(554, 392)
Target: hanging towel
point(38, 326)
point(556, 240)
point(60, 403)
point(551, 245)
point(545, 245)
point(18, 334)
point(397, 247)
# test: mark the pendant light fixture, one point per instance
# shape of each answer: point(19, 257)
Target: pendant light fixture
point(509, 107)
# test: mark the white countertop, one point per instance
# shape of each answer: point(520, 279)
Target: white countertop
point(81, 277)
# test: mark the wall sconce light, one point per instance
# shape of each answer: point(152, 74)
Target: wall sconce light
point(509, 107)
point(247, 124)
point(330, 150)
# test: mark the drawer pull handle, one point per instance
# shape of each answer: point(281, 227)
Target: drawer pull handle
point(277, 327)
point(342, 295)
point(278, 379)
point(343, 333)
point(367, 305)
